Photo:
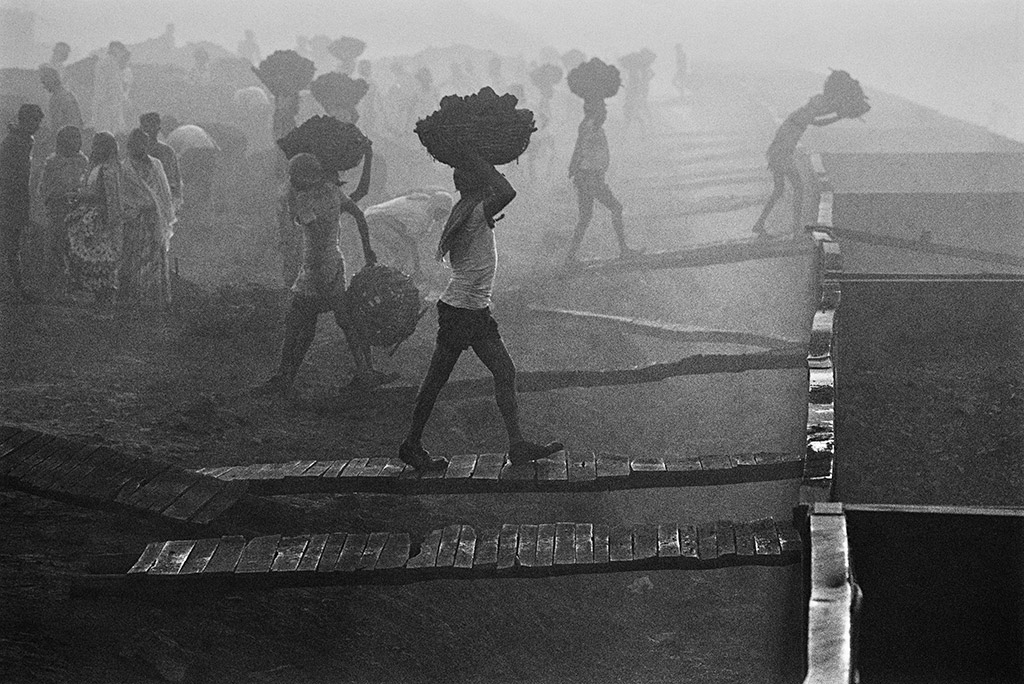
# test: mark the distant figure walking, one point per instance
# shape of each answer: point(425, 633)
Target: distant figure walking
point(150, 124)
point(111, 83)
point(781, 162)
point(63, 109)
point(590, 161)
point(15, 194)
point(464, 314)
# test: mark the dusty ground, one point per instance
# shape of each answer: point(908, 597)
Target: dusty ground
point(176, 388)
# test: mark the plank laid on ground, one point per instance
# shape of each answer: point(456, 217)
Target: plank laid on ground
point(565, 544)
point(584, 535)
point(726, 536)
point(744, 539)
point(486, 555)
point(148, 557)
point(519, 472)
point(467, 548)
point(716, 462)
point(668, 541)
point(172, 557)
point(332, 552)
point(395, 553)
point(647, 464)
point(102, 480)
point(601, 543)
point(545, 545)
point(645, 542)
point(448, 547)
point(194, 498)
point(141, 473)
point(9, 449)
point(682, 464)
point(526, 548)
point(789, 538)
point(25, 451)
point(7, 431)
point(612, 468)
point(225, 558)
point(460, 467)
point(553, 468)
point(620, 544)
point(220, 503)
point(54, 457)
point(314, 550)
point(355, 544)
point(258, 554)
point(334, 469)
point(393, 467)
point(488, 467)
point(707, 541)
point(289, 553)
point(371, 553)
point(766, 538)
point(582, 466)
point(57, 446)
point(73, 480)
point(200, 556)
point(428, 552)
point(507, 544)
point(688, 542)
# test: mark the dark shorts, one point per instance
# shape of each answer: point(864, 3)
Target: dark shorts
point(462, 328)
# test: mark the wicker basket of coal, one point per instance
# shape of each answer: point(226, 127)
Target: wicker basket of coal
point(338, 145)
point(483, 121)
point(285, 72)
point(843, 93)
point(338, 91)
point(384, 304)
point(594, 80)
point(346, 48)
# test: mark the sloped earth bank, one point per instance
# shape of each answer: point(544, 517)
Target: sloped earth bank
point(175, 388)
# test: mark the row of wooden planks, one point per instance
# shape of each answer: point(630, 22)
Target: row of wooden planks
point(459, 550)
point(575, 470)
point(98, 477)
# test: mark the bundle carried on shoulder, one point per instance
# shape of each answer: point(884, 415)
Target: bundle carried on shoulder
point(843, 93)
point(594, 80)
point(338, 91)
point(639, 60)
point(485, 122)
point(384, 304)
point(338, 145)
point(285, 72)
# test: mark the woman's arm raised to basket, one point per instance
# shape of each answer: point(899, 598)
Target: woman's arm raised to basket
point(350, 207)
point(364, 180)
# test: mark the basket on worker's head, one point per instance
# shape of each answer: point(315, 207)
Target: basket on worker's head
point(642, 59)
point(844, 95)
point(285, 72)
point(489, 124)
point(338, 91)
point(346, 48)
point(594, 80)
point(338, 145)
point(384, 304)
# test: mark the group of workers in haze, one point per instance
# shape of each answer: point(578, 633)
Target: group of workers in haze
point(111, 221)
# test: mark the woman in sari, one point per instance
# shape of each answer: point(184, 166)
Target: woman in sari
point(95, 227)
point(63, 176)
point(149, 226)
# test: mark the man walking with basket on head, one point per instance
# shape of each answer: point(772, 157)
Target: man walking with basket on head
point(463, 311)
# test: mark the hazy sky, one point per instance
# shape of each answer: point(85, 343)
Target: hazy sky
point(959, 56)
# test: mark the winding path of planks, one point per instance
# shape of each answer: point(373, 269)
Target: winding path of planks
point(455, 551)
point(493, 473)
point(94, 476)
